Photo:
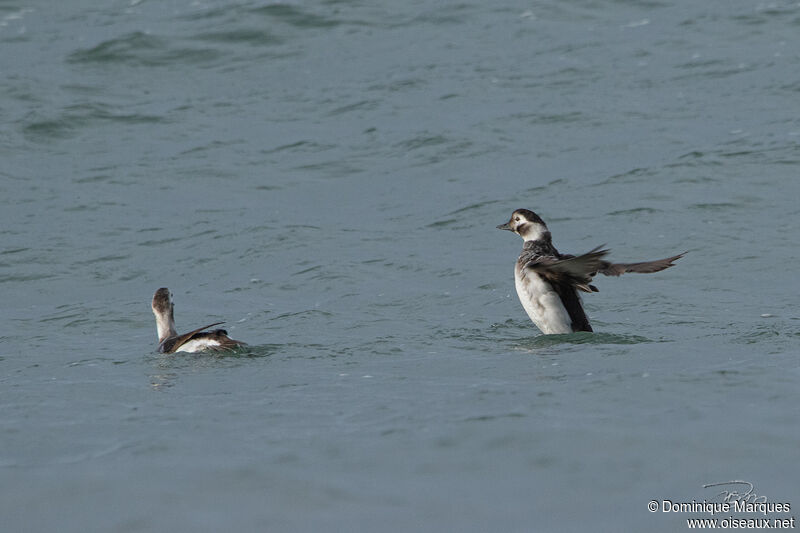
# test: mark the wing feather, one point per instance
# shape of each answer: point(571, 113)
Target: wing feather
point(171, 344)
point(569, 269)
point(644, 267)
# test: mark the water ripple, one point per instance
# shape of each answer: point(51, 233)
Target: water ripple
point(295, 16)
point(251, 36)
point(80, 116)
point(142, 49)
point(545, 341)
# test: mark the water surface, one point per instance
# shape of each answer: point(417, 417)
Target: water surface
point(326, 177)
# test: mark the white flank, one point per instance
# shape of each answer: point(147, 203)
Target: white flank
point(197, 345)
point(542, 304)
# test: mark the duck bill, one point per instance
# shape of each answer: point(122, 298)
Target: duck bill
point(505, 226)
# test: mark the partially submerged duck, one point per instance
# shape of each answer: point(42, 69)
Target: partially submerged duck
point(548, 282)
point(197, 340)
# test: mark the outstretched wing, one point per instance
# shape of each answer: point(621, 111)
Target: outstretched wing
point(570, 270)
point(645, 267)
point(173, 343)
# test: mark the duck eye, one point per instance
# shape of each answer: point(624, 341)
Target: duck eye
point(516, 219)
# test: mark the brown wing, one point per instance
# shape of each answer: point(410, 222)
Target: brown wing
point(576, 271)
point(645, 267)
point(171, 344)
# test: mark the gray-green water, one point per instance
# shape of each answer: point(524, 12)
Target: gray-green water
point(327, 178)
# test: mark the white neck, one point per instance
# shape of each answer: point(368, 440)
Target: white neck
point(166, 326)
point(535, 232)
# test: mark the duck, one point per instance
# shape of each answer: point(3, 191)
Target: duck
point(547, 282)
point(197, 340)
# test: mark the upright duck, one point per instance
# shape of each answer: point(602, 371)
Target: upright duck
point(548, 282)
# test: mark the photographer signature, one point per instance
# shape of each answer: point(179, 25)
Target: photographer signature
point(733, 495)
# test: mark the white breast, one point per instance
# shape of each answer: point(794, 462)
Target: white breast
point(542, 303)
point(197, 345)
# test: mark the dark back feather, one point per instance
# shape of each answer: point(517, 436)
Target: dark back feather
point(572, 303)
